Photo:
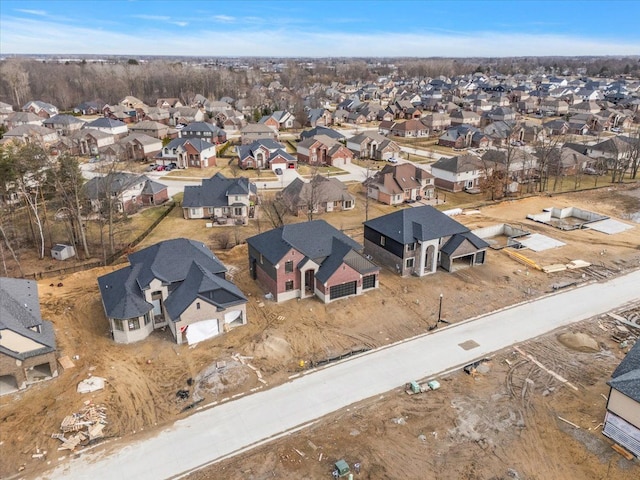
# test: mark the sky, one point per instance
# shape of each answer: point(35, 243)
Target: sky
point(313, 28)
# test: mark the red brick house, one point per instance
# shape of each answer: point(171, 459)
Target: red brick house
point(309, 259)
point(323, 150)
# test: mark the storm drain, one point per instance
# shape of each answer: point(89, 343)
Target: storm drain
point(469, 345)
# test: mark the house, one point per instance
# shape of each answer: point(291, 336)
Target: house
point(89, 141)
point(185, 116)
point(522, 165)
point(141, 147)
point(128, 190)
point(176, 283)
point(416, 241)
point(257, 131)
point(64, 124)
point(61, 252)
point(622, 419)
point(567, 161)
point(263, 154)
point(15, 119)
point(279, 120)
point(395, 184)
point(108, 125)
point(462, 172)
point(226, 201)
point(32, 134)
point(188, 152)
point(373, 145)
point(464, 136)
point(151, 128)
point(409, 128)
point(93, 107)
point(464, 117)
point(27, 342)
point(206, 131)
point(329, 132)
point(41, 109)
point(323, 150)
point(309, 259)
point(168, 103)
point(437, 121)
point(319, 195)
point(122, 114)
point(319, 117)
point(132, 103)
point(553, 107)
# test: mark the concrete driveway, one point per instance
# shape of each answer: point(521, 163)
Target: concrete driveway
point(235, 426)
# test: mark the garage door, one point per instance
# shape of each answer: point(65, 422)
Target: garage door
point(343, 290)
point(199, 331)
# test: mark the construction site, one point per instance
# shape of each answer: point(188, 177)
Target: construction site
point(507, 417)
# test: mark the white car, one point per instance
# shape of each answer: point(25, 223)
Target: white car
point(392, 160)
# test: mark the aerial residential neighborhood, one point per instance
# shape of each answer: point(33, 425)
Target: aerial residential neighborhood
point(297, 243)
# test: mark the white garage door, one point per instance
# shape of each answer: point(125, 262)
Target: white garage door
point(199, 331)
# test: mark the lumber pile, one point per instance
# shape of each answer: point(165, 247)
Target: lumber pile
point(518, 257)
point(82, 427)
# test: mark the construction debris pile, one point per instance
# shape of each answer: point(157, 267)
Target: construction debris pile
point(82, 427)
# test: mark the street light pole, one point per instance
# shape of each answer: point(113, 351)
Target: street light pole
point(440, 309)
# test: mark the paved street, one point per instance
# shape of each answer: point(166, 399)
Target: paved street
point(229, 428)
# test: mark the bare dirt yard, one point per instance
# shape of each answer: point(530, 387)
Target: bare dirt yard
point(483, 426)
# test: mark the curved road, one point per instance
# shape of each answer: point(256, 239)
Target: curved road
point(229, 428)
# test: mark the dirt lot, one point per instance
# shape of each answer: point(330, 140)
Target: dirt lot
point(142, 379)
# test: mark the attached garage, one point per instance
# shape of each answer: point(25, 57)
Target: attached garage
point(203, 330)
point(342, 290)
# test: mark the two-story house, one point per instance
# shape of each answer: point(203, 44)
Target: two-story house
point(416, 241)
point(127, 191)
point(395, 184)
point(323, 150)
point(176, 283)
point(455, 174)
point(188, 152)
point(204, 131)
point(226, 201)
point(309, 259)
point(372, 145)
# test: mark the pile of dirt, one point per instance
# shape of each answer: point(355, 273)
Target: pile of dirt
point(578, 341)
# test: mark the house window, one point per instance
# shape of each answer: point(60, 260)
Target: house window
point(411, 247)
point(347, 204)
point(288, 286)
point(134, 324)
point(118, 324)
point(288, 267)
point(197, 305)
point(237, 211)
point(409, 262)
point(193, 211)
point(382, 241)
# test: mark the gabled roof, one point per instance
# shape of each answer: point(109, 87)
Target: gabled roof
point(198, 143)
point(457, 164)
point(456, 240)
point(104, 122)
point(626, 377)
point(20, 312)
point(419, 223)
point(61, 119)
point(203, 127)
point(202, 284)
point(257, 128)
point(342, 252)
point(116, 182)
point(395, 179)
point(214, 191)
point(301, 193)
point(313, 239)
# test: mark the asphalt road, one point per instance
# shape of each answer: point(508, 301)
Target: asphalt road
point(229, 428)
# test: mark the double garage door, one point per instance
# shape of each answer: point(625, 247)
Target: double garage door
point(343, 290)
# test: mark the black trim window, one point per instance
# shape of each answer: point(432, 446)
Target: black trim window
point(134, 324)
point(288, 266)
point(118, 324)
point(288, 286)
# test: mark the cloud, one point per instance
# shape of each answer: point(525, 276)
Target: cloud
point(155, 18)
point(180, 24)
point(224, 19)
point(40, 13)
point(23, 36)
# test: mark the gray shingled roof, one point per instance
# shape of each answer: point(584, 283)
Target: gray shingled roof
point(197, 143)
point(62, 119)
point(456, 240)
point(626, 377)
point(419, 223)
point(20, 312)
point(214, 191)
point(342, 252)
point(104, 122)
point(170, 261)
point(313, 239)
point(201, 284)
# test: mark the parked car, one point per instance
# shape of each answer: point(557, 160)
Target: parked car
point(151, 167)
point(392, 160)
point(173, 165)
point(159, 168)
point(278, 171)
